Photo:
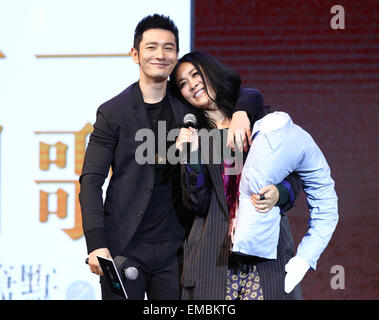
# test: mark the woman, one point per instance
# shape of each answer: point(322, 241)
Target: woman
point(279, 147)
point(213, 88)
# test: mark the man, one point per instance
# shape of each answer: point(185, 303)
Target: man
point(143, 217)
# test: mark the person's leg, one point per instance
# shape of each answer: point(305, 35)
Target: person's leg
point(164, 282)
point(135, 289)
point(251, 285)
point(233, 286)
point(139, 255)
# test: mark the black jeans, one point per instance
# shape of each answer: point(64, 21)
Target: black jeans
point(159, 265)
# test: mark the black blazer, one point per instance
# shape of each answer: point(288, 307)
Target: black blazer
point(112, 144)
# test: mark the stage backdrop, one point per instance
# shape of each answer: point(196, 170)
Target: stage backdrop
point(318, 61)
point(59, 60)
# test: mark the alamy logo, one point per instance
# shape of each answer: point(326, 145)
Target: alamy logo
point(338, 20)
point(338, 280)
point(154, 150)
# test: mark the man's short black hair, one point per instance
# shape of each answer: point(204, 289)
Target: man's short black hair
point(155, 21)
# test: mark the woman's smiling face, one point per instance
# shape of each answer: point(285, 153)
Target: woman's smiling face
point(192, 87)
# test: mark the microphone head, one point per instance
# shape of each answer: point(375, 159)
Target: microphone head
point(131, 273)
point(190, 120)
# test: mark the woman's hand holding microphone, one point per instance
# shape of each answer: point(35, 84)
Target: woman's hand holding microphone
point(187, 135)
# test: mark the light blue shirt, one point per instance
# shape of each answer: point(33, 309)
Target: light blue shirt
point(279, 148)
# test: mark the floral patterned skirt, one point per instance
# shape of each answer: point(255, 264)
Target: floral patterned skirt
point(243, 284)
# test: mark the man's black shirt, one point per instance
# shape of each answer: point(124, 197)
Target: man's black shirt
point(161, 220)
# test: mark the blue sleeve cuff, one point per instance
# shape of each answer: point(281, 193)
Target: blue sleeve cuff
point(195, 178)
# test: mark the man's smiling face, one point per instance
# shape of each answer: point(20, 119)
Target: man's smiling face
point(157, 55)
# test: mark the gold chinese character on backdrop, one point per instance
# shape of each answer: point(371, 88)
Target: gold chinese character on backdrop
point(61, 211)
point(44, 155)
point(62, 196)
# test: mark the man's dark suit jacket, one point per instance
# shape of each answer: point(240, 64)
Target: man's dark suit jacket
point(112, 143)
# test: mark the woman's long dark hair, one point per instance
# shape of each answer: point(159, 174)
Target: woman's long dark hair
point(224, 81)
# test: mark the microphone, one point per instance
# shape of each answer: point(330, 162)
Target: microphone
point(130, 273)
point(123, 266)
point(189, 120)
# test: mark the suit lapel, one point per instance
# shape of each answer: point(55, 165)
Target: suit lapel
point(214, 172)
point(178, 108)
point(139, 108)
point(216, 176)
